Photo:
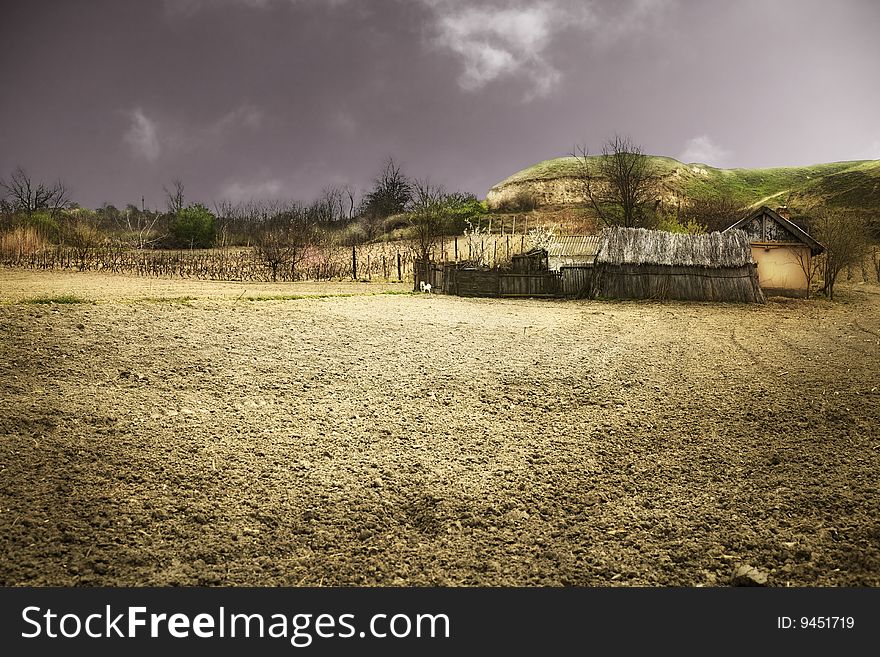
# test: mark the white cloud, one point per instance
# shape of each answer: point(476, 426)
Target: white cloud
point(629, 18)
point(239, 191)
point(704, 151)
point(512, 39)
point(147, 141)
point(142, 136)
point(245, 116)
point(496, 42)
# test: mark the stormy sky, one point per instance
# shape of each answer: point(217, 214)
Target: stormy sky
point(279, 98)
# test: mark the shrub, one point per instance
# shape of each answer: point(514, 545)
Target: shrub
point(522, 201)
point(462, 211)
point(193, 227)
point(672, 225)
point(44, 223)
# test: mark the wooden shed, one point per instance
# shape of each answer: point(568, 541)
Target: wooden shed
point(781, 249)
point(635, 263)
point(572, 251)
point(534, 260)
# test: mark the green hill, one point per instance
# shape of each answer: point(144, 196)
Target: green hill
point(851, 185)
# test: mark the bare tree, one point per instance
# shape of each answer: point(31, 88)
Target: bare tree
point(79, 231)
point(810, 265)
point(339, 202)
point(349, 195)
point(227, 217)
point(26, 195)
point(282, 241)
point(392, 191)
point(620, 185)
point(714, 213)
point(175, 197)
point(426, 218)
point(138, 227)
point(845, 238)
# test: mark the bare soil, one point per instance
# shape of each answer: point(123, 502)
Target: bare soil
point(432, 440)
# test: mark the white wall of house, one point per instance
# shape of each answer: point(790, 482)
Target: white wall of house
point(555, 262)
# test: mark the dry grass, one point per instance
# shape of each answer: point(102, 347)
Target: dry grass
point(22, 240)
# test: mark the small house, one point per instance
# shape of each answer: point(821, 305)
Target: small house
point(781, 249)
point(635, 263)
point(572, 251)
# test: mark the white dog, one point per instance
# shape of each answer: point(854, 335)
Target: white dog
point(425, 287)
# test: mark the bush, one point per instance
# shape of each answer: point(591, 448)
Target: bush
point(352, 235)
point(522, 201)
point(44, 223)
point(462, 211)
point(193, 227)
point(395, 221)
point(672, 225)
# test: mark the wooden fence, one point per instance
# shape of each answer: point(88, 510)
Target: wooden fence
point(382, 261)
point(449, 278)
point(576, 280)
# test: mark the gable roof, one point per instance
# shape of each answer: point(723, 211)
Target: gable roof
point(796, 231)
point(638, 246)
point(574, 246)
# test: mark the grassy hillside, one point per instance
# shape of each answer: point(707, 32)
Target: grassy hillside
point(852, 185)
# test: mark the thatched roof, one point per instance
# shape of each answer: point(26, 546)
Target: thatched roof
point(574, 246)
point(637, 246)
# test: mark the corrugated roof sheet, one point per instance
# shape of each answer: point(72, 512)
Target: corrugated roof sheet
point(574, 245)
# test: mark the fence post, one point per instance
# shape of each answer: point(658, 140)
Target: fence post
point(456, 248)
point(384, 268)
point(354, 263)
point(495, 253)
point(399, 274)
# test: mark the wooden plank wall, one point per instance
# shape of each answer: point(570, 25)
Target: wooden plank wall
point(576, 281)
point(497, 283)
point(684, 283)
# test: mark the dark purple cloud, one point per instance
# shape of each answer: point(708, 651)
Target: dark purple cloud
point(245, 98)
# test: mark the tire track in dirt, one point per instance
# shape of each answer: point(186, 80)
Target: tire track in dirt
point(583, 443)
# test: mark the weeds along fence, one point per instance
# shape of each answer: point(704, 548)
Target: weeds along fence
point(382, 261)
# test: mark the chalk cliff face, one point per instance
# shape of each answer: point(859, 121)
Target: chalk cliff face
point(555, 183)
point(851, 185)
point(558, 191)
point(565, 190)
